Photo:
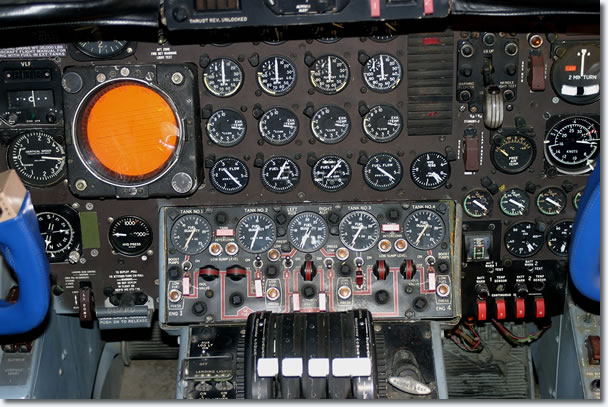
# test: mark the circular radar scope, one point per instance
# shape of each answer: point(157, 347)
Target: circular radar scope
point(127, 133)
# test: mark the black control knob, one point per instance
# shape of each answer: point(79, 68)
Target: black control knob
point(381, 270)
point(408, 269)
point(199, 308)
point(236, 299)
point(308, 270)
point(443, 267)
point(345, 269)
point(482, 291)
point(174, 273)
point(521, 290)
point(464, 95)
point(209, 273)
point(271, 271)
point(236, 273)
point(467, 50)
point(382, 297)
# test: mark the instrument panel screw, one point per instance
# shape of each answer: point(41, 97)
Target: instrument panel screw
point(124, 71)
point(100, 78)
point(177, 78)
point(80, 185)
point(555, 100)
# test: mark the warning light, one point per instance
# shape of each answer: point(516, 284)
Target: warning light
point(129, 132)
point(570, 68)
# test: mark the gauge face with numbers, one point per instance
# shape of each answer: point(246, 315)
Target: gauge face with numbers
point(102, 49)
point(331, 173)
point(223, 77)
point(573, 145)
point(229, 175)
point(276, 75)
point(383, 172)
point(424, 229)
point(523, 240)
point(514, 202)
point(359, 230)
point(226, 127)
point(478, 203)
point(191, 234)
point(130, 235)
point(278, 126)
point(330, 124)
point(382, 73)
point(38, 159)
point(308, 232)
point(551, 201)
point(280, 174)
point(513, 153)
point(430, 170)
point(558, 237)
point(382, 123)
point(256, 232)
point(57, 234)
point(329, 74)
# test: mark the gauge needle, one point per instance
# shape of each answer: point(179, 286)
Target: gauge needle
point(47, 242)
point(514, 202)
point(382, 76)
point(436, 176)
point(502, 151)
point(255, 237)
point(117, 234)
point(426, 226)
point(551, 201)
point(583, 55)
point(281, 170)
point(586, 142)
point(563, 248)
point(46, 157)
point(190, 238)
point(529, 246)
point(276, 70)
point(223, 74)
point(357, 234)
point(236, 181)
point(386, 173)
point(330, 173)
point(305, 237)
point(482, 206)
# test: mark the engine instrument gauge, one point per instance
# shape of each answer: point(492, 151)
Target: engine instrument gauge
point(308, 231)
point(330, 124)
point(276, 75)
point(513, 153)
point(226, 127)
point(514, 202)
point(359, 230)
point(573, 144)
point(37, 158)
point(130, 235)
point(424, 229)
point(229, 175)
point(383, 172)
point(223, 77)
point(523, 240)
point(191, 234)
point(478, 203)
point(382, 73)
point(256, 232)
point(278, 126)
point(576, 75)
point(382, 123)
point(576, 199)
point(329, 74)
point(558, 237)
point(430, 170)
point(101, 49)
point(331, 173)
point(551, 201)
point(58, 235)
point(280, 174)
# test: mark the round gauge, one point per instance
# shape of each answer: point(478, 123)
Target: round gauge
point(382, 123)
point(331, 173)
point(576, 75)
point(576, 199)
point(383, 171)
point(522, 240)
point(514, 202)
point(430, 170)
point(278, 126)
point(478, 203)
point(573, 145)
point(329, 39)
point(382, 73)
point(57, 234)
point(223, 77)
point(229, 175)
point(191, 234)
point(130, 235)
point(423, 229)
point(359, 230)
point(330, 124)
point(513, 153)
point(101, 49)
point(329, 74)
point(226, 127)
point(308, 232)
point(37, 158)
point(551, 201)
point(280, 174)
point(276, 75)
point(382, 37)
point(256, 232)
point(558, 237)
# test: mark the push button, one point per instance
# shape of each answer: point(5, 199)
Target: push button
point(520, 308)
point(482, 311)
point(501, 310)
point(540, 307)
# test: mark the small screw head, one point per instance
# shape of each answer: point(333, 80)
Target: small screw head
point(80, 185)
point(177, 78)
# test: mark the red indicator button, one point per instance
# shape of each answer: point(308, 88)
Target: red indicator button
point(520, 308)
point(501, 309)
point(374, 6)
point(482, 311)
point(429, 7)
point(540, 307)
point(570, 68)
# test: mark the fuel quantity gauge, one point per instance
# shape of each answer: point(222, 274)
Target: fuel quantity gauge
point(191, 234)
